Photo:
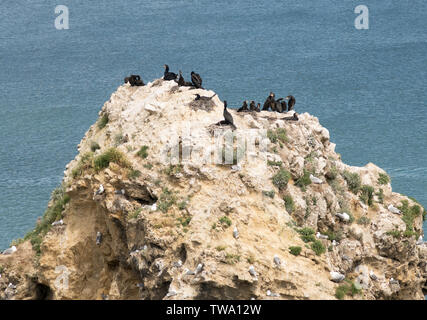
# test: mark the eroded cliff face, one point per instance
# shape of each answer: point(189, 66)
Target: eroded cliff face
point(169, 230)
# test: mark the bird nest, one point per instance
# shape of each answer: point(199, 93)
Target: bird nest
point(202, 105)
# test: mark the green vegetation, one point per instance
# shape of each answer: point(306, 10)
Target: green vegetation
point(94, 146)
point(408, 216)
point(380, 195)
point(173, 169)
point(304, 180)
point(133, 174)
point(166, 200)
point(103, 121)
point(332, 173)
point(278, 135)
point(269, 194)
point(182, 205)
point(274, 163)
point(134, 214)
point(184, 221)
point(111, 155)
point(281, 179)
point(1, 269)
point(52, 214)
point(143, 152)
point(225, 221)
point(383, 178)
point(363, 221)
point(353, 181)
point(367, 195)
point(220, 248)
point(348, 288)
point(148, 166)
point(85, 163)
point(289, 203)
point(307, 234)
point(318, 247)
point(337, 236)
point(394, 233)
point(295, 250)
point(232, 258)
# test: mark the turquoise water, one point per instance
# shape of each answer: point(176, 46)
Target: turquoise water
point(367, 87)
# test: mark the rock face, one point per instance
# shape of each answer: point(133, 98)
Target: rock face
point(169, 211)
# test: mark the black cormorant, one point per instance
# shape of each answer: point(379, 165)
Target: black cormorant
point(196, 79)
point(291, 102)
point(244, 107)
point(169, 75)
point(227, 116)
point(258, 107)
point(199, 98)
point(268, 102)
point(252, 106)
point(278, 105)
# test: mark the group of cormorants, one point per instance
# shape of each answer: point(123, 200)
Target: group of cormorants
point(278, 105)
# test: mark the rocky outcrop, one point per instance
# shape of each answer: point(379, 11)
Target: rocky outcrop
point(171, 202)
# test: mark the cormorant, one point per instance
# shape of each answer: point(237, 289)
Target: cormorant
point(284, 107)
point(244, 107)
point(291, 102)
point(199, 98)
point(252, 106)
point(182, 82)
point(169, 75)
point(134, 80)
point(258, 107)
point(227, 116)
point(269, 101)
point(278, 105)
point(196, 80)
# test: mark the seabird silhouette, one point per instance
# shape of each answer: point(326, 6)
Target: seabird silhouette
point(315, 180)
point(343, 216)
point(10, 250)
point(336, 276)
point(98, 238)
point(100, 190)
point(321, 236)
point(393, 209)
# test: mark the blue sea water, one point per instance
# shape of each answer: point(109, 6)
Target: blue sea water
point(368, 87)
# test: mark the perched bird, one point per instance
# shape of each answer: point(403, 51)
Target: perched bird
point(420, 240)
point(235, 233)
point(393, 209)
point(188, 272)
point(171, 293)
point(291, 102)
point(321, 236)
point(336, 276)
point(10, 250)
point(393, 281)
point(343, 216)
point(196, 80)
point(122, 192)
point(252, 106)
point(315, 180)
point(199, 98)
point(98, 238)
point(58, 223)
point(244, 107)
point(227, 116)
point(100, 190)
point(334, 243)
point(178, 264)
point(373, 276)
point(276, 260)
point(283, 105)
point(269, 101)
point(252, 271)
point(272, 294)
point(134, 80)
point(198, 268)
point(258, 107)
point(169, 75)
point(278, 106)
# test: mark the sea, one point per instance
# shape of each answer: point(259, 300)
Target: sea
point(367, 86)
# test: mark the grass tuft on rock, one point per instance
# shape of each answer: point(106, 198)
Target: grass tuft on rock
point(143, 152)
point(353, 181)
point(281, 179)
point(111, 155)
